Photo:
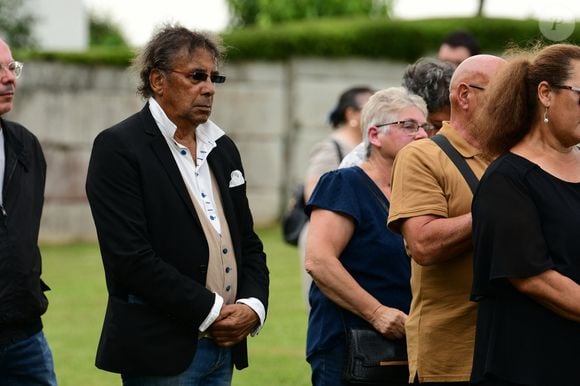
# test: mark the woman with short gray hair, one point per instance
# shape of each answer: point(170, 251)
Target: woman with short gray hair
point(360, 269)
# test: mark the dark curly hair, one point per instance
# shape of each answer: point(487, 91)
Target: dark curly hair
point(168, 44)
point(430, 78)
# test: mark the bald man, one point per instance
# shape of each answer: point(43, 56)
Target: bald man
point(25, 358)
point(430, 207)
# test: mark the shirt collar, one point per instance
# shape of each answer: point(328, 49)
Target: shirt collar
point(462, 146)
point(207, 132)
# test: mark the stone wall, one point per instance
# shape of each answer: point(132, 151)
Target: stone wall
point(274, 111)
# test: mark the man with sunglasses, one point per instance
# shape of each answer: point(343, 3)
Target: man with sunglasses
point(25, 357)
point(185, 271)
point(431, 208)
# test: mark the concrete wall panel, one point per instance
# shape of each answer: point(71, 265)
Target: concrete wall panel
point(274, 111)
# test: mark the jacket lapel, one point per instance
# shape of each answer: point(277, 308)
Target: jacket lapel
point(13, 154)
point(161, 150)
point(221, 174)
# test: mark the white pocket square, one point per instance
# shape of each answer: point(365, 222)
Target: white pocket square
point(236, 179)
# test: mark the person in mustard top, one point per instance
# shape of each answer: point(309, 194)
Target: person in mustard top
point(430, 207)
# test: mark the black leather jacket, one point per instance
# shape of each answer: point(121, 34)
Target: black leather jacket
point(22, 299)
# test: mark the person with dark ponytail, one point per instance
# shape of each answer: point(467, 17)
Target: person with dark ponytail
point(526, 222)
point(327, 154)
point(345, 120)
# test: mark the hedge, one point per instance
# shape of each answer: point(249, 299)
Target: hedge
point(376, 38)
point(403, 40)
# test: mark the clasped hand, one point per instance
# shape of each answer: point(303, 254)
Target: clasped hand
point(234, 323)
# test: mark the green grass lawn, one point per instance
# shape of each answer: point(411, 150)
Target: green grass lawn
point(77, 305)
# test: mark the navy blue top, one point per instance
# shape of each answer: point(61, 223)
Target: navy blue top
point(525, 221)
point(375, 257)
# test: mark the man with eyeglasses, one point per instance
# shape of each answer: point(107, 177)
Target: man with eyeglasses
point(25, 357)
point(431, 208)
point(185, 271)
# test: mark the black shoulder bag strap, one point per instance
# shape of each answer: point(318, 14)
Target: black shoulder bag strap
point(338, 151)
point(375, 190)
point(458, 160)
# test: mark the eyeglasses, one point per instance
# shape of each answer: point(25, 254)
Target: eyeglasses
point(200, 76)
point(575, 89)
point(14, 67)
point(477, 87)
point(411, 127)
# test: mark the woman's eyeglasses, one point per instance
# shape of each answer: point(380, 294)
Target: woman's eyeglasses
point(571, 88)
point(410, 126)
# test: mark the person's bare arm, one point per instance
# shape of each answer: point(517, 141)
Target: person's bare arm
point(328, 234)
point(432, 239)
point(554, 291)
point(309, 186)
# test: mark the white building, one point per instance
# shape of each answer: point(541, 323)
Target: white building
point(61, 25)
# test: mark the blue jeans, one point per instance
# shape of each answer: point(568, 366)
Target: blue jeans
point(27, 362)
point(211, 366)
point(327, 366)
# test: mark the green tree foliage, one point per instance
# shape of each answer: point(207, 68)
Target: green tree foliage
point(16, 24)
point(264, 13)
point(104, 33)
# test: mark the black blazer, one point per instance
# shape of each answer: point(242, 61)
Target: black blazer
point(22, 299)
point(153, 247)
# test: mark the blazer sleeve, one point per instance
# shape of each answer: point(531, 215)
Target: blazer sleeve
point(115, 195)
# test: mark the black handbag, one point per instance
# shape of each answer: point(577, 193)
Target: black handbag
point(372, 359)
point(295, 219)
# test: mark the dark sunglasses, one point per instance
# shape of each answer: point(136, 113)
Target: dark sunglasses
point(201, 76)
